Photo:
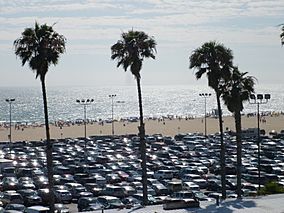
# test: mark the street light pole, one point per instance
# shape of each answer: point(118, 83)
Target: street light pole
point(85, 103)
point(205, 95)
point(258, 99)
point(10, 101)
point(85, 121)
point(112, 123)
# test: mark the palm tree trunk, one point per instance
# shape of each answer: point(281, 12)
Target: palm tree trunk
point(222, 150)
point(239, 152)
point(142, 145)
point(48, 148)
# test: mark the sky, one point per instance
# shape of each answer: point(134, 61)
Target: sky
point(250, 28)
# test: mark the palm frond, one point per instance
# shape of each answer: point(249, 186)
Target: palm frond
point(238, 88)
point(282, 34)
point(132, 47)
point(215, 60)
point(40, 46)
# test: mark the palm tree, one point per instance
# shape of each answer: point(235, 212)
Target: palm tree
point(214, 60)
point(236, 91)
point(282, 35)
point(130, 52)
point(40, 47)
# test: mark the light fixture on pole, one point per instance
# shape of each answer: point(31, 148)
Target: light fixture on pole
point(205, 95)
point(112, 123)
point(258, 99)
point(10, 101)
point(85, 103)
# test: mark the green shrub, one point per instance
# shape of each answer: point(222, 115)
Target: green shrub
point(271, 188)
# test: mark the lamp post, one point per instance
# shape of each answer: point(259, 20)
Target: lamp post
point(10, 101)
point(112, 124)
point(258, 99)
point(205, 95)
point(85, 103)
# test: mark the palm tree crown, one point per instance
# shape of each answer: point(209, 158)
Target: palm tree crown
point(282, 35)
point(130, 51)
point(215, 60)
point(40, 46)
point(237, 90)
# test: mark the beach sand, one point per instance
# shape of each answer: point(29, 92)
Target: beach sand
point(167, 128)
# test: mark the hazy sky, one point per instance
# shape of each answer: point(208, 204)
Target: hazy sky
point(248, 27)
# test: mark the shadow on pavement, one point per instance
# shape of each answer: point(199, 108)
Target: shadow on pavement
point(227, 206)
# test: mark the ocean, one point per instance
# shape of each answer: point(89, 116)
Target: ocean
point(177, 100)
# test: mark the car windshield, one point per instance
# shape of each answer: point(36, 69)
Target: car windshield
point(187, 195)
point(16, 197)
point(15, 207)
point(114, 201)
point(199, 194)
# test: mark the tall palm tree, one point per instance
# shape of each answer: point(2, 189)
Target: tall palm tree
point(214, 60)
point(236, 91)
point(41, 46)
point(130, 52)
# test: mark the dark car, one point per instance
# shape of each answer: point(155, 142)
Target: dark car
point(76, 191)
point(9, 183)
point(131, 202)
point(85, 202)
point(117, 191)
point(44, 194)
point(110, 202)
point(63, 196)
point(10, 197)
point(151, 199)
point(41, 181)
point(30, 197)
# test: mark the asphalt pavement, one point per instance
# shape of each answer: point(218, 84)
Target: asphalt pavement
point(263, 204)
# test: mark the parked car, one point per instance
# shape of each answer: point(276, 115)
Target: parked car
point(60, 208)
point(151, 199)
point(117, 191)
point(63, 196)
point(160, 189)
point(85, 202)
point(174, 186)
point(44, 194)
point(201, 196)
point(9, 171)
point(190, 186)
point(131, 202)
point(30, 197)
point(10, 197)
point(173, 203)
point(9, 183)
point(110, 202)
point(163, 174)
point(11, 207)
point(37, 209)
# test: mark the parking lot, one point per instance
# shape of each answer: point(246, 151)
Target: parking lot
point(105, 172)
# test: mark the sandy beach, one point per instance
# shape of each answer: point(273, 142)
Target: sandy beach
point(169, 127)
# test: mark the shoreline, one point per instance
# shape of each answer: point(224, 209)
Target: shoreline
point(164, 126)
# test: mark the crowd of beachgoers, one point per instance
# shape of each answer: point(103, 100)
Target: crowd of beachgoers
point(21, 126)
